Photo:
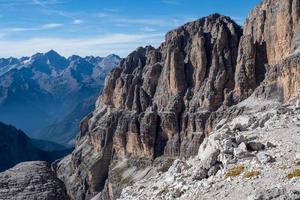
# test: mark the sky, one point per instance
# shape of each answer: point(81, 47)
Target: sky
point(101, 27)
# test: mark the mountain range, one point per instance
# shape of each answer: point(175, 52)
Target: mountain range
point(39, 92)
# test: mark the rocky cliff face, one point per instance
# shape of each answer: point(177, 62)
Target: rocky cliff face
point(163, 102)
point(156, 103)
point(271, 34)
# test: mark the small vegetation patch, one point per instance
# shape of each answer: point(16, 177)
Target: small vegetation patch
point(235, 171)
point(298, 162)
point(294, 174)
point(250, 174)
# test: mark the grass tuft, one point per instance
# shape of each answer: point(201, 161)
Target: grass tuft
point(235, 171)
point(294, 174)
point(250, 174)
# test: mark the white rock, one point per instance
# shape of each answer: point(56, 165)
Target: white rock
point(241, 151)
point(297, 156)
point(241, 123)
point(264, 157)
point(298, 103)
point(240, 138)
point(208, 152)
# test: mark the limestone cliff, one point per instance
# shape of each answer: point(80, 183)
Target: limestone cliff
point(156, 103)
point(271, 34)
point(163, 102)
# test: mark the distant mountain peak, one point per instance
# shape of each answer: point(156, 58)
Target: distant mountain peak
point(51, 61)
point(113, 55)
point(52, 53)
point(75, 58)
point(50, 86)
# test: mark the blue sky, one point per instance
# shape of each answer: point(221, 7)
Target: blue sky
point(100, 27)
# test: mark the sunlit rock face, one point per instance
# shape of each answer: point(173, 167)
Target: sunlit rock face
point(271, 34)
point(156, 103)
point(163, 102)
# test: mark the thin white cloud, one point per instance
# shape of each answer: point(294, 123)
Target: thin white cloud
point(121, 25)
point(112, 10)
point(148, 29)
point(116, 19)
point(37, 2)
point(29, 2)
point(125, 21)
point(39, 28)
point(19, 29)
point(52, 25)
point(77, 21)
point(102, 15)
point(149, 21)
point(120, 44)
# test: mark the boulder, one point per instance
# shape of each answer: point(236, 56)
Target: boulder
point(255, 146)
point(209, 152)
point(264, 157)
point(31, 180)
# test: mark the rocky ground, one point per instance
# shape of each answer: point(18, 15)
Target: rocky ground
point(32, 181)
point(252, 157)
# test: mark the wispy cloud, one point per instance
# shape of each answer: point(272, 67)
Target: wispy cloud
point(39, 28)
point(37, 2)
point(118, 19)
point(44, 2)
point(149, 21)
point(50, 26)
point(121, 44)
point(124, 21)
point(29, 2)
point(112, 10)
point(77, 21)
point(102, 14)
point(148, 29)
